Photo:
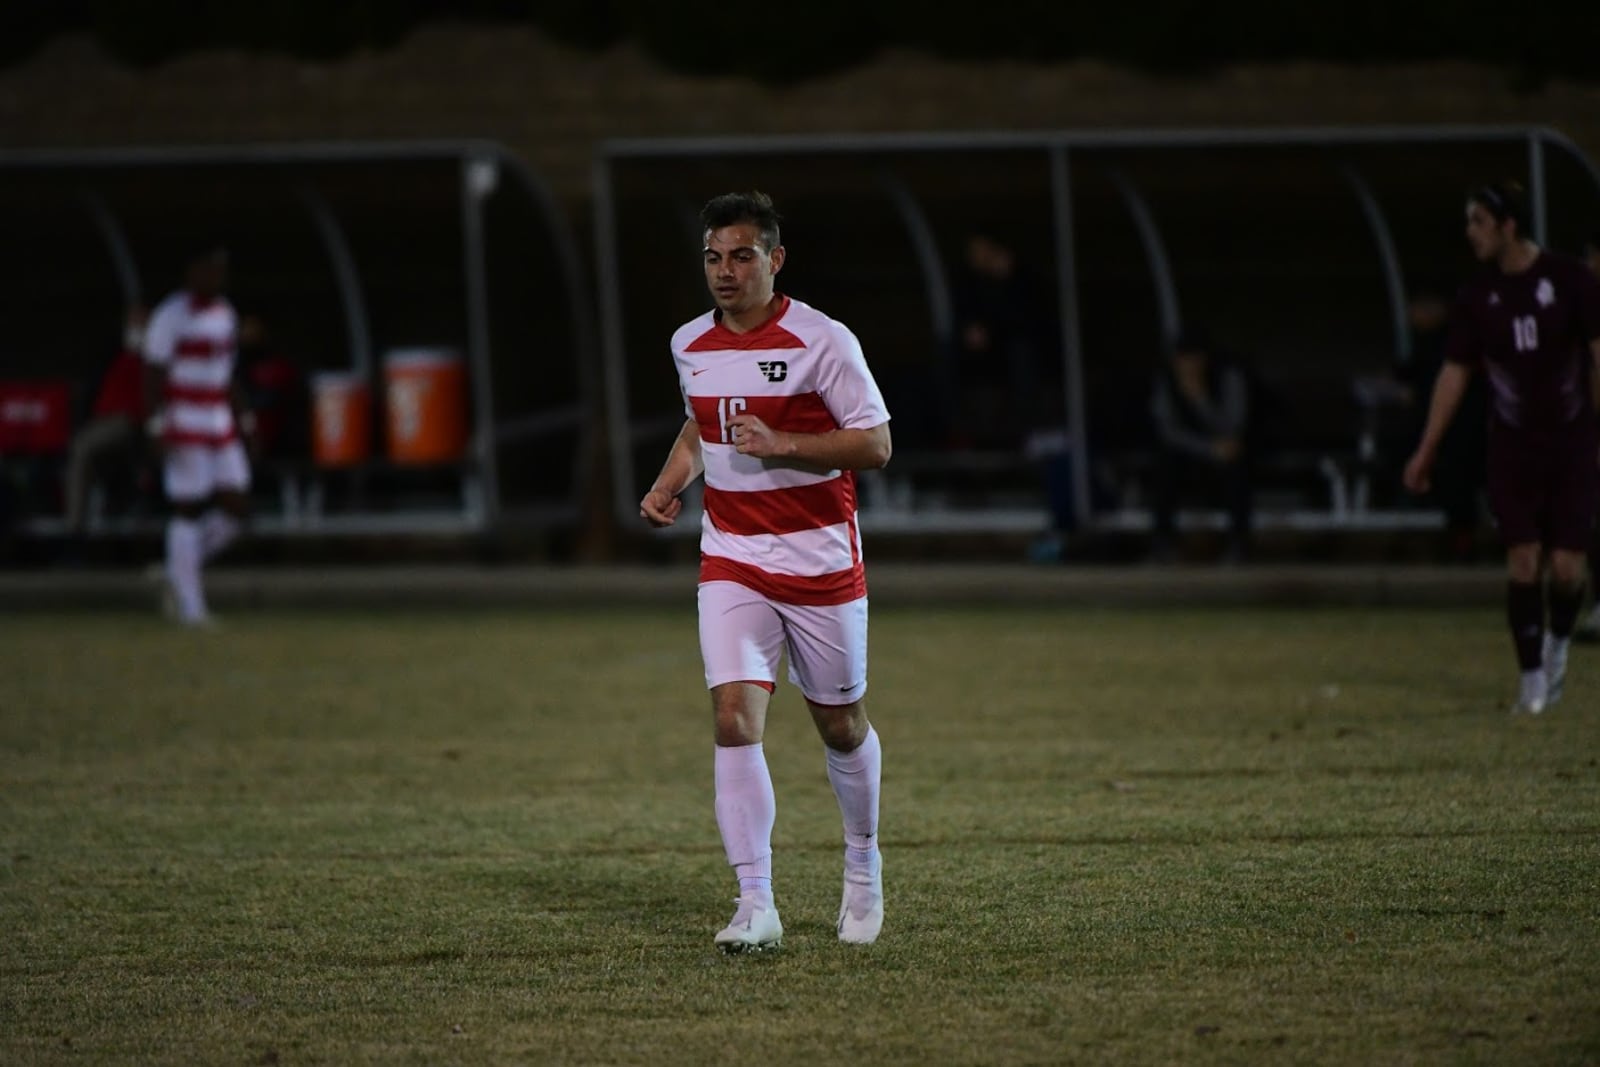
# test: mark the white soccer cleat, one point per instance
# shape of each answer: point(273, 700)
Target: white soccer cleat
point(755, 926)
point(1555, 669)
point(1533, 694)
point(861, 909)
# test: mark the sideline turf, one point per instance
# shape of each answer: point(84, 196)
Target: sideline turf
point(1135, 837)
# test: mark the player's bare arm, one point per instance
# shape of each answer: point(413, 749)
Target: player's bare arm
point(155, 401)
point(851, 450)
point(244, 417)
point(1447, 394)
point(660, 506)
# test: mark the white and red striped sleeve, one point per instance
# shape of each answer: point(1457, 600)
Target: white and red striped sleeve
point(161, 332)
point(846, 384)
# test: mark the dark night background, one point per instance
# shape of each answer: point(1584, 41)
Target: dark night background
point(1530, 42)
point(1269, 248)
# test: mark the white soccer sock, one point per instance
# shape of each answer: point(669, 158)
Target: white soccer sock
point(855, 777)
point(218, 530)
point(746, 810)
point(183, 568)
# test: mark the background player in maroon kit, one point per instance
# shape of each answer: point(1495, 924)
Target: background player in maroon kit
point(1589, 629)
point(1532, 324)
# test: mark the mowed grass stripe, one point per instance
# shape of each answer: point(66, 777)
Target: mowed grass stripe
point(1131, 836)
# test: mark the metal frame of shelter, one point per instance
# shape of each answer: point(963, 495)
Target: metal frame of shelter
point(1060, 147)
point(481, 163)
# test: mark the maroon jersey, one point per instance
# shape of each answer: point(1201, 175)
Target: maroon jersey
point(1530, 332)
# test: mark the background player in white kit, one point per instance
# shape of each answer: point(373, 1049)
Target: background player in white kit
point(782, 411)
point(189, 350)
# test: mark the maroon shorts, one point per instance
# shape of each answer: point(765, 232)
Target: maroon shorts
point(1544, 485)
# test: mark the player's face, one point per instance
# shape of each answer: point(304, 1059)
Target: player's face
point(1486, 234)
point(208, 276)
point(740, 272)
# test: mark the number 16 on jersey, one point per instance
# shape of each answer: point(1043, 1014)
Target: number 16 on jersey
point(727, 408)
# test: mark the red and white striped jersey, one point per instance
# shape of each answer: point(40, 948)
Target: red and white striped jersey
point(196, 342)
point(785, 530)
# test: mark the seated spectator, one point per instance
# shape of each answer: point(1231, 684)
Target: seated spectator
point(1003, 373)
point(1003, 377)
point(114, 433)
point(1201, 409)
point(275, 392)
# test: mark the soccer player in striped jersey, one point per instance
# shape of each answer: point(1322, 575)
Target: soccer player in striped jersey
point(197, 416)
point(781, 411)
point(1531, 323)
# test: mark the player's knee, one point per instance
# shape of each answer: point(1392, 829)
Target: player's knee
point(1527, 574)
point(1567, 568)
point(842, 728)
point(737, 728)
point(738, 713)
point(1522, 564)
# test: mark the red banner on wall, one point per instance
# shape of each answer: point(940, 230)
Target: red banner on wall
point(35, 417)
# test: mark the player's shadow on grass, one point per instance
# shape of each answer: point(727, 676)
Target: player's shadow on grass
point(589, 894)
point(679, 902)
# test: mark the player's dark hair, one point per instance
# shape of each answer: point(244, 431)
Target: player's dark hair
point(204, 252)
point(1504, 200)
point(1592, 242)
point(732, 209)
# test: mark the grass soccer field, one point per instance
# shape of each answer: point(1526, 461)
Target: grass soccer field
point(1110, 836)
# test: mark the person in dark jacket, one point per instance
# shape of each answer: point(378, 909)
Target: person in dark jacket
point(1200, 408)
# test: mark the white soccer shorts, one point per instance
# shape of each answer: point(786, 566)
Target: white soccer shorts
point(743, 634)
point(195, 472)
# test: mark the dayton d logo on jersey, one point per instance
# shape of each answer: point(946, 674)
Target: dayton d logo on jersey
point(776, 370)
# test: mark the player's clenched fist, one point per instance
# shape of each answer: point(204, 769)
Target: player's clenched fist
point(752, 437)
point(1417, 476)
point(660, 508)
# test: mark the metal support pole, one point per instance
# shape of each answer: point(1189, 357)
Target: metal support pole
point(1400, 327)
point(1388, 260)
point(479, 175)
point(358, 333)
point(619, 433)
point(1536, 195)
point(105, 220)
point(1071, 336)
point(577, 287)
point(934, 277)
point(1155, 253)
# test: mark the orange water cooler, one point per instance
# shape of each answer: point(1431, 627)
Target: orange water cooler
point(425, 391)
point(341, 420)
